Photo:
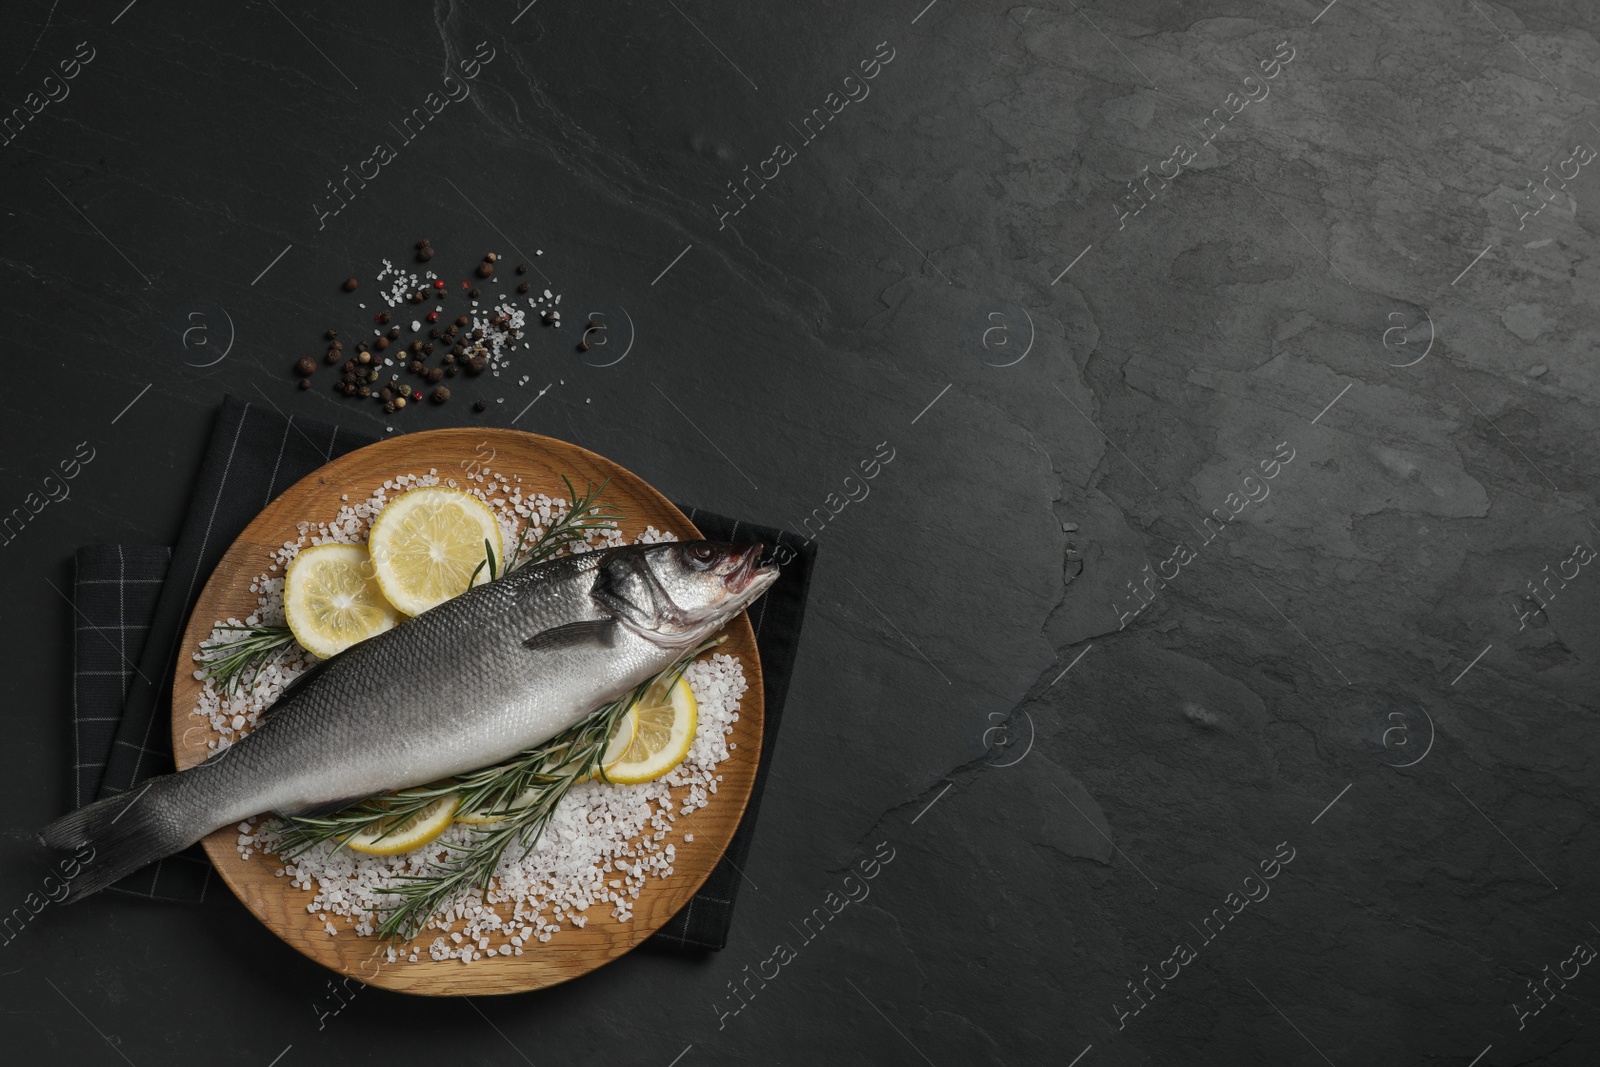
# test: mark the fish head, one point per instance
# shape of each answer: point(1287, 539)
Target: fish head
point(678, 593)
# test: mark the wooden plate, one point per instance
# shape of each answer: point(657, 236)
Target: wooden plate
point(541, 461)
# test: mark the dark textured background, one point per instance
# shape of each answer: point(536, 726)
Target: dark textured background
point(1054, 833)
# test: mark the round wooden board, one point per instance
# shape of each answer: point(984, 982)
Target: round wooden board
point(540, 461)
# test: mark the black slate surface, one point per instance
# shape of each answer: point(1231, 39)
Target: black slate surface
point(947, 264)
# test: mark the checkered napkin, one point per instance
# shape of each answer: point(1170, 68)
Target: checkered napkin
point(133, 601)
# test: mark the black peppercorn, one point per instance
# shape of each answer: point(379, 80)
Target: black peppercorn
point(436, 333)
point(350, 285)
point(381, 318)
point(524, 287)
point(427, 349)
point(416, 346)
point(435, 373)
point(451, 371)
point(440, 395)
point(394, 333)
point(305, 367)
point(305, 383)
point(363, 392)
point(485, 269)
point(479, 406)
point(522, 268)
point(477, 365)
point(333, 356)
point(388, 407)
point(462, 320)
point(415, 367)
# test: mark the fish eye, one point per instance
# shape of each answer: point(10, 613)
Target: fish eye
point(700, 555)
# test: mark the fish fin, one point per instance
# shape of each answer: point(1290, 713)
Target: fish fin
point(316, 811)
point(299, 681)
point(602, 630)
point(123, 832)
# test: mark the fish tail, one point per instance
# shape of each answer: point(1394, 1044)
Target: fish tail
point(123, 833)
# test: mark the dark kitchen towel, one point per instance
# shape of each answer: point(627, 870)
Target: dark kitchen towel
point(133, 601)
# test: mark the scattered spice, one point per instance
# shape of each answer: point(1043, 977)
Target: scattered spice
point(305, 383)
point(479, 406)
point(479, 340)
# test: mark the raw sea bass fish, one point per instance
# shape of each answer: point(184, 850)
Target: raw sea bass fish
point(483, 676)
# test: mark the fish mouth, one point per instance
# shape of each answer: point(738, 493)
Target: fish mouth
point(746, 572)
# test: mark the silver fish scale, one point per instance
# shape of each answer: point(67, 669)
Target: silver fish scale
point(446, 692)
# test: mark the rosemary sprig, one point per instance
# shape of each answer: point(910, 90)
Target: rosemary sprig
point(546, 773)
point(583, 517)
point(228, 663)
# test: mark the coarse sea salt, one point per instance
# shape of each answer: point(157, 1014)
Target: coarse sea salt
point(597, 831)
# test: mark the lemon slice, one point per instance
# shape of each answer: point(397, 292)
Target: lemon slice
point(331, 600)
point(426, 543)
point(621, 738)
point(387, 839)
point(666, 730)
